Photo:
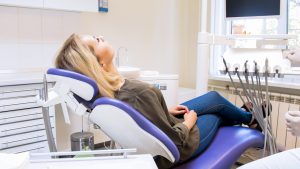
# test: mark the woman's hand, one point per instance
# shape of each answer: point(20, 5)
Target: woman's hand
point(179, 109)
point(190, 119)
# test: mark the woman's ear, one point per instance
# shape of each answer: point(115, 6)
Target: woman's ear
point(102, 64)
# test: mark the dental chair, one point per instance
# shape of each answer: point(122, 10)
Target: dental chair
point(130, 129)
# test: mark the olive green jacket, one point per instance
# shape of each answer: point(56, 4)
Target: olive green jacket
point(149, 101)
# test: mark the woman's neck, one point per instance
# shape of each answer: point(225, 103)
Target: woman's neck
point(110, 68)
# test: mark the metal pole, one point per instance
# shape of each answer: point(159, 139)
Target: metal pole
point(273, 148)
point(46, 117)
point(265, 126)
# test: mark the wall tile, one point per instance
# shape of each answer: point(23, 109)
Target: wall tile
point(52, 26)
point(8, 55)
point(30, 25)
point(31, 55)
point(71, 23)
point(50, 51)
point(9, 24)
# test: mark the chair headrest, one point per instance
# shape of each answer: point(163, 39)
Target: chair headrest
point(84, 88)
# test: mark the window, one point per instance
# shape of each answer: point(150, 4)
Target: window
point(254, 26)
point(294, 21)
point(287, 23)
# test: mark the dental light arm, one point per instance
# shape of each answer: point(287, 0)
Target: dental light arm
point(54, 99)
point(62, 94)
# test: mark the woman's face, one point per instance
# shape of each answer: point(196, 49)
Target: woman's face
point(102, 49)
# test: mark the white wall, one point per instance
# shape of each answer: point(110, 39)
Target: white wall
point(189, 19)
point(29, 38)
point(148, 29)
point(159, 35)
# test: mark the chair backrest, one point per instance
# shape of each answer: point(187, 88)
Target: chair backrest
point(131, 129)
point(121, 122)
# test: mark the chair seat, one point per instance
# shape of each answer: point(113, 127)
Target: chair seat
point(226, 148)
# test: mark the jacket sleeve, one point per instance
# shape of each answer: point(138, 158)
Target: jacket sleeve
point(149, 104)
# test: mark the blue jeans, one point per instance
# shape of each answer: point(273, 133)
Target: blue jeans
point(213, 110)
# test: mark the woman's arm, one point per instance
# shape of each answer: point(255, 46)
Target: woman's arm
point(190, 119)
point(149, 104)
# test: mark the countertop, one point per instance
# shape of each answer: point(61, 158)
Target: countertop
point(288, 82)
point(18, 78)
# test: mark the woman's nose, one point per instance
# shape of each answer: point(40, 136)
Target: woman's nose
point(100, 37)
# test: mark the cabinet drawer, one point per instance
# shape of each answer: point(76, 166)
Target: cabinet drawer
point(17, 100)
point(34, 147)
point(22, 87)
point(18, 106)
point(20, 115)
point(15, 94)
point(21, 119)
point(22, 139)
point(22, 127)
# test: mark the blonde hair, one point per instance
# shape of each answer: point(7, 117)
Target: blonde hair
point(76, 56)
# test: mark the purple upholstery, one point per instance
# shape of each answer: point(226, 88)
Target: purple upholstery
point(144, 123)
point(227, 146)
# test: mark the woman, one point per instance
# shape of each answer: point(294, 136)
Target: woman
point(200, 117)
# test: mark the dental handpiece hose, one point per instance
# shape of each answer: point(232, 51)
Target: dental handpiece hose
point(229, 74)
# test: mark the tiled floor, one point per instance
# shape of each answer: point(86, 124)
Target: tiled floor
point(250, 155)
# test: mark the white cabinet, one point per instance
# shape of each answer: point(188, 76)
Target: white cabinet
point(72, 5)
point(22, 3)
point(21, 121)
point(166, 83)
point(67, 5)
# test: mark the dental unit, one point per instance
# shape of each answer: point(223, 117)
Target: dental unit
point(254, 93)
